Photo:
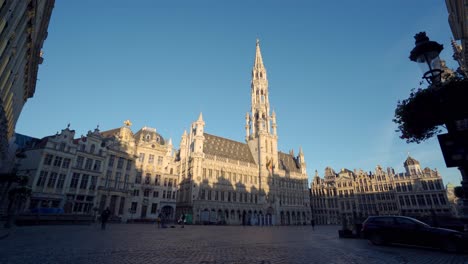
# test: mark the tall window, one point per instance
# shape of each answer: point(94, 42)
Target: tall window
point(129, 165)
point(157, 180)
point(442, 199)
point(120, 163)
point(434, 199)
point(134, 207)
point(58, 161)
point(74, 180)
point(93, 184)
point(148, 178)
point(165, 181)
point(97, 165)
point(142, 157)
point(155, 194)
point(92, 148)
point(160, 160)
point(164, 195)
point(146, 192)
point(61, 181)
point(138, 178)
point(126, 181)
point(154, 208)
point(66, 163)
point(79, 162)
point(48, 159)
point(84, 181)
point(42, 178)
point(122, 204)
point(151, 159)
point(431, 185)
point(111, 161)
point(118, 176)
point(89, 164)
point(424, 185)
point(108, 178)
point(52, 180)
point(438, 185)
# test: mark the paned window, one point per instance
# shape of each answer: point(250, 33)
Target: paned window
point(48, 159)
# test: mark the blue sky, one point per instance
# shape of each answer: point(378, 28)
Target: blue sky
point(336, 70)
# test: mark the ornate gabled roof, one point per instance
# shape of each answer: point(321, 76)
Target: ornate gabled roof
point(148, 134)
point(287, 162)
point(226, 148)
point(410, 161)
point(110, 133)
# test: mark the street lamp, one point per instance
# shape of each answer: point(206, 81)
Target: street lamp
point(454, 144)
point(426, 54)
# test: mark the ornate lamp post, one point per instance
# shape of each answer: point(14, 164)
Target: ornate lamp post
point(426, 53)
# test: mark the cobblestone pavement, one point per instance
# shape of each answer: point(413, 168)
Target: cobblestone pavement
point(139, 243)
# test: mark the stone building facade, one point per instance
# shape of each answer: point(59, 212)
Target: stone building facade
point(230, 182)
point(103, 169)
point(23, 29)
point(352, 195)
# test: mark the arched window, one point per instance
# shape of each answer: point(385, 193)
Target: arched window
point(148, 137)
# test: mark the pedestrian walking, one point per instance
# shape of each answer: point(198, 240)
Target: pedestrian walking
point(158, 221)
point(104, 217)
point(182, 218)
point(312, 223)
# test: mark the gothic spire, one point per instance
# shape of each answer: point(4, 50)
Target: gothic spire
point(258, 57)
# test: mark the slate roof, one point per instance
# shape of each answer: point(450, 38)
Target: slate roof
point(226, 148)
point(287, 162)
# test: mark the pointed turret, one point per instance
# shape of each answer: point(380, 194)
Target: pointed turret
point(183, 146)
point(197, 134)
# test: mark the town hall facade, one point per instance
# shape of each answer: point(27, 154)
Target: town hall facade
point(253, 183)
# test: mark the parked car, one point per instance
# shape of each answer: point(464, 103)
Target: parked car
point(382, 230)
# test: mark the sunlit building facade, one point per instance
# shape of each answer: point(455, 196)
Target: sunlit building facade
point(134, 175)
point(252, 182)
point(354, 195)
point(23, 29)
point(458, 21)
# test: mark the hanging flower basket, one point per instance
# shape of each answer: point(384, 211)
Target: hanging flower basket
point(420, 116)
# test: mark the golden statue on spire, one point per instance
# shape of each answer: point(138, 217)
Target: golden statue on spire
point(127, 123)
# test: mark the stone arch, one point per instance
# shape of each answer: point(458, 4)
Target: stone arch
point(269, 216)
point(168, 212)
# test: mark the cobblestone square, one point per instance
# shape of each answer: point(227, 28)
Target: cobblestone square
point(140, 243)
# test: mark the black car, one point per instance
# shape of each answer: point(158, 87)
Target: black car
point(382, 230)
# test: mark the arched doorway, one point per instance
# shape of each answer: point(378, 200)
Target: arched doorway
point(269, 216)
point(167, 212)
